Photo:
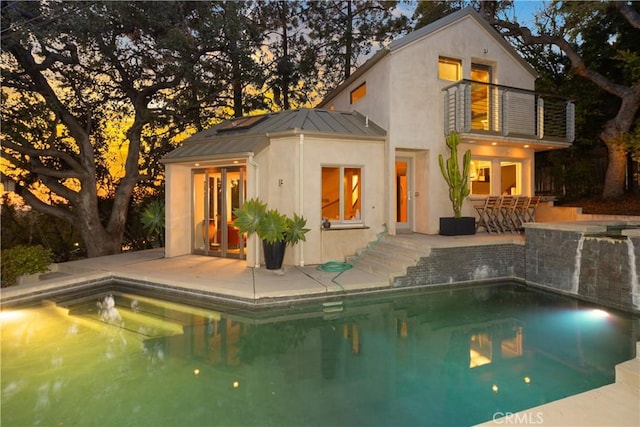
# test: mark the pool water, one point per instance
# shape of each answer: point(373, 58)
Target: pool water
point(450, 358)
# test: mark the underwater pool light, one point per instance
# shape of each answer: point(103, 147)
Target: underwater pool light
point(11, 315)
point(598, 313)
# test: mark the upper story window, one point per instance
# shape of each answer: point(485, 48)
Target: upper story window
point(358, 93)
point(449, 69)
point(482, 114)
point(341, 194)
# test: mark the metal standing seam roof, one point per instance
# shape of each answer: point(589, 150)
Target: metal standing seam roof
point(220, 142)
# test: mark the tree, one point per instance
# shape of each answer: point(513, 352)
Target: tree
point(65, 80)
point(287, 66)
point(343, 33)
point(599, 41)
point(427, 12)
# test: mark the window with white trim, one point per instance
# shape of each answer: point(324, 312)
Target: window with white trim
point(358, 93)
point(480, 177)
point(342, 194)
point(449, 69)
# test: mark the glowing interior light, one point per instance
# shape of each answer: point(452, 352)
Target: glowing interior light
point(494, 388)
point(196, 371)
point(236, 384)
point(527, 380)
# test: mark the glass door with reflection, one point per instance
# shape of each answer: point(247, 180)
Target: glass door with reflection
point(217, 192)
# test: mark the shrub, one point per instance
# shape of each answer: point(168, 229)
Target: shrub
point(21, 260)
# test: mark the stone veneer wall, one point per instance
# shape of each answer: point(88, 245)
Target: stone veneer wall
point(466, 264)
point(566, 258)
point(578, 259)
point(551, 258)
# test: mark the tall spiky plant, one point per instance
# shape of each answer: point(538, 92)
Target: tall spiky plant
point(458, 181)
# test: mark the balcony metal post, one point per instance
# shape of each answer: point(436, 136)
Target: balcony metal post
point(467, 108)
point(540, 118)
point(505, 114)
point(571, 120)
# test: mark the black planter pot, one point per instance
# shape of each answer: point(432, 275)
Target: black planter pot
point(274, 254)
point(450, 226)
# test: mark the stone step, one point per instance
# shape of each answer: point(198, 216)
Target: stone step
point(387, 248)
point(390, 256)
point(373, 267)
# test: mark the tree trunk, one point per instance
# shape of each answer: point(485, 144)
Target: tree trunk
point(614, 182)
point(100, 243)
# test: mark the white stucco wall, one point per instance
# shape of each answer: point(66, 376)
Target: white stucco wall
point(298, 162)
point(375, 104)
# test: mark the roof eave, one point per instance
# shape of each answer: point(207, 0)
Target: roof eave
point(213, 157)
point(355, 76)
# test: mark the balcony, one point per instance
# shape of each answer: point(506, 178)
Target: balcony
point(503, 114)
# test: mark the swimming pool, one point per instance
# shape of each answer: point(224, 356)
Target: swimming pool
point(446, 357)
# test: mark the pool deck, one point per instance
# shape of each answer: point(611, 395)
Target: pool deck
point(616, 404)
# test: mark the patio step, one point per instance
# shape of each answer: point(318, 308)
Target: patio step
point(390, 256)
point(628, 372)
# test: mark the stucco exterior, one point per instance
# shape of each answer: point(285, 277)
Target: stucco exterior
point(405, 96)
point(286, 174)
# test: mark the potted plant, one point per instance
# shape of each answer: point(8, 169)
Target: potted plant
point(274, 229)
point(458, 182)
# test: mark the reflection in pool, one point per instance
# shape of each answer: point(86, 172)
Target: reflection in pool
point(438, 358)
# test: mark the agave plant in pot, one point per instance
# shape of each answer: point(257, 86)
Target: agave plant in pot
point(458, 182)
point(276, 230)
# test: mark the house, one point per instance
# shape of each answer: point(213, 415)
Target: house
point(316, 163)
point(367, 157)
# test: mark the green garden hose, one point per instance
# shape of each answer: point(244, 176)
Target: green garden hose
point(341, 267)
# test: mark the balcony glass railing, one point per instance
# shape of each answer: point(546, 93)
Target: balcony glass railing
point(474, 107)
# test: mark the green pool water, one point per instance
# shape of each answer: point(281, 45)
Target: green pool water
point(449, 358)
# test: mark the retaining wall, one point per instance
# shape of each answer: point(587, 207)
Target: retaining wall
point(569, 258)
point(466, 264)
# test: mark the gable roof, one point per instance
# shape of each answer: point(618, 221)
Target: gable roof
point(251, 135)
point(424, 32)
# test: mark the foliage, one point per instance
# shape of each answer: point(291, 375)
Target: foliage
point(21, 260)
point(427, 12)
point(270, 225)
point(343, 32)
point(589, 51)
point(457, 181)
point(152, 220)
point(296, 229)
point(28, 227)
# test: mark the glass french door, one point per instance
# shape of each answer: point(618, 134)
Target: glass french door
point(403, 190)
point(481, 108)
point(217, 192)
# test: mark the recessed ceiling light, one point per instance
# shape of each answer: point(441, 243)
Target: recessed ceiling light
point(494, 143)
point(526, 146)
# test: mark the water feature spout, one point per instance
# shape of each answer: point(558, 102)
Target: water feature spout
point(633, 274)
point(575, 282)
